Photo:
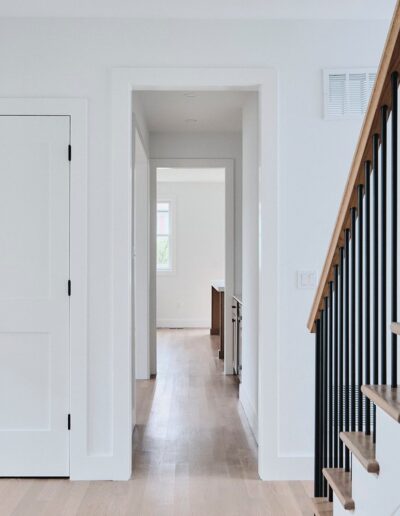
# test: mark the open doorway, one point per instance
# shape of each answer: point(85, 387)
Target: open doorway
point(190, 244)
point(190, 247)
point(201, 167)
point(194, 199)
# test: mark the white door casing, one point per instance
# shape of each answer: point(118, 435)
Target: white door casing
point(141, 211)
point(125, 80)
point(34, 301)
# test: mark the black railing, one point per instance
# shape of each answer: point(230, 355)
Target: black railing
point(352, 325)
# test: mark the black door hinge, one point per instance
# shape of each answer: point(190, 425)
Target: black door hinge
point(69, 287)
point(69, 153)
point(69, 421)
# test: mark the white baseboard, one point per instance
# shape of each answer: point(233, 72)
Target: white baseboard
point(249, 410)
point(183, 323)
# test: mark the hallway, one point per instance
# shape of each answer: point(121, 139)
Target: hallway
point(194, 454)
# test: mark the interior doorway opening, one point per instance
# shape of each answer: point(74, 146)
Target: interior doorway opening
point(190, 244)
point(203, 163)
point(196, 197)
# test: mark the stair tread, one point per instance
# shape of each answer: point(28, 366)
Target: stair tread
point(340, 482)
point(385, 397)
point(395, 327)
point(362, 446)
point(322, 507)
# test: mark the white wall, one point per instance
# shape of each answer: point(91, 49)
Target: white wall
point(208, 145)
point(73, 58)
point(250, 277)
point(183, 295)
point(141, 273)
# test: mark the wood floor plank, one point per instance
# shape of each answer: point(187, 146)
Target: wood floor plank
point(193, 454)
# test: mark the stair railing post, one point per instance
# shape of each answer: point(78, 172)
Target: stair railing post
point(353, 320)
point(367, 298)
point(383, 218)
point(347, 346)
point(360, 255)
point(375, 269)
point(336, 369)
point(394, 279)
point(317, 434)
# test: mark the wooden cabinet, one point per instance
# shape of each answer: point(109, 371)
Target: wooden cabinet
point(237, 336)
point(218, 314)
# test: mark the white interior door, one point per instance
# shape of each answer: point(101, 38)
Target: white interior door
point(34, 301)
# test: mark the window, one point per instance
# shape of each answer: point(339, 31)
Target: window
point(347, 92)
point(164, 245)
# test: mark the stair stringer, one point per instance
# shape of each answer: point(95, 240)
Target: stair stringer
point(377, 495)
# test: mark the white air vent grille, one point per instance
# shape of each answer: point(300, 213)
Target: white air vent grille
point(347, 92)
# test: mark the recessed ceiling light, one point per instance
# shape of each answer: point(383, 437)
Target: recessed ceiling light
point(191, 120)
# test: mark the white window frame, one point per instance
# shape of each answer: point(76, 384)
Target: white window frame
point(337, 71)
point(172, 237)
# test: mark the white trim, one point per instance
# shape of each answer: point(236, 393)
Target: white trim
point(183, 323)
point(191, 175)
point(140, 264)
point(265, 81)
point(76, 109)
point(249, 411)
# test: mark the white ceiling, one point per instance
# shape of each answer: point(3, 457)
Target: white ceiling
point(194, 111)
point(201, 9)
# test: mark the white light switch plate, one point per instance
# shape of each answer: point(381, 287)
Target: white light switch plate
point(306, 279)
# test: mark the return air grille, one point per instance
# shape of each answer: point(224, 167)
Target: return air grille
point(347, 92)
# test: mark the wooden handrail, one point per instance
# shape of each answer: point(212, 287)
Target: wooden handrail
point(380, 96)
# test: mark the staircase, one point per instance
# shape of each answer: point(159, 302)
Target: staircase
point(355, 320)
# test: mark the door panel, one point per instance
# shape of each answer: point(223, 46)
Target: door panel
point(34, 303)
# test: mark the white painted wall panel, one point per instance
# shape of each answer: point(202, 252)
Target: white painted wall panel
point(73, 58)
point(184, 295)
point(208, 145)
point(250, 256)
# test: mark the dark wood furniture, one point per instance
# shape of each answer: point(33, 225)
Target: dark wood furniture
point(217, 314)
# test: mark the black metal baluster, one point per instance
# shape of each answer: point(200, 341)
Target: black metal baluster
point(317, 435)
point(330, 381)
point(360, 191)
point(353, 320)
point(367, 292)
point(330, 373)
point(375, 269)
point(383, 300)
point(325, 391)
point(341, 353)
point(336, 371)
point(395, 81)
point(322, 403)
point(347, 348)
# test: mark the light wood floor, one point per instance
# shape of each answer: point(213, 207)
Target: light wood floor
point(193, 451)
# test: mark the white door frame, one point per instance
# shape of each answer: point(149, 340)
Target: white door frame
point(76, 109)
point(228, 165)
point(265, 81)
point(141, 262)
